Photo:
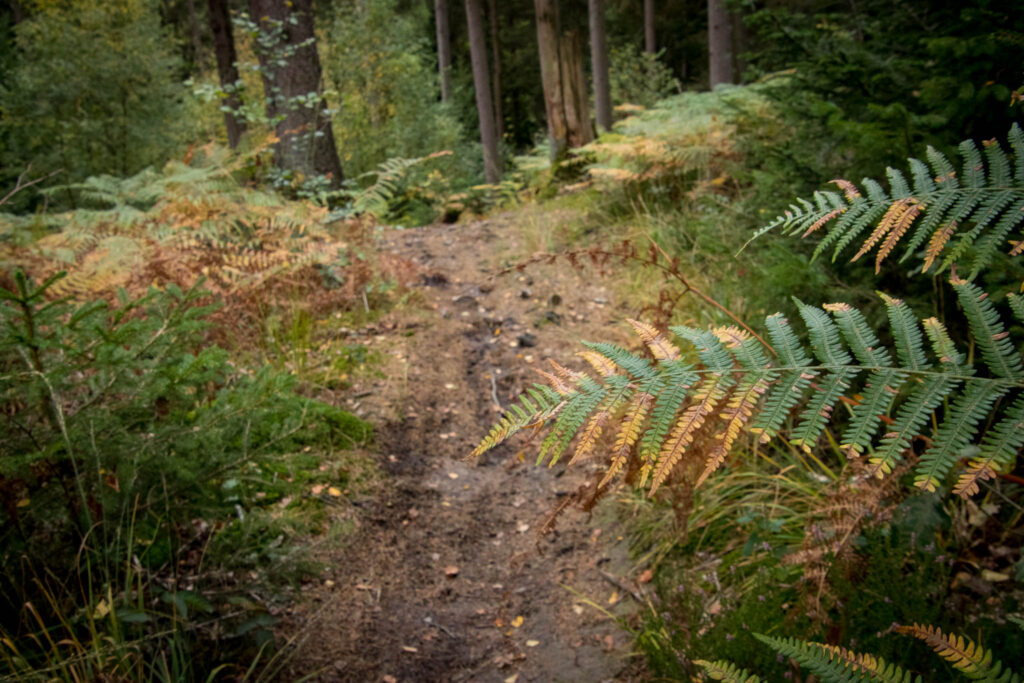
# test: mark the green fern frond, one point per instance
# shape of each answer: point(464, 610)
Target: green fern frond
point(727, 672)
point(961, 216)
point(836, 664)
point(964, 655)
point(660, 411)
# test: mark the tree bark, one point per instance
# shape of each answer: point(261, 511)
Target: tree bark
point(499, 120)
point(444, 48)
point(649, 45)
point(484, 108)
point(564, 84)
point(290, 68)
point(719, 43)
point(197, 40)
point(599, 65)
point(551, 74)
point(227, 68)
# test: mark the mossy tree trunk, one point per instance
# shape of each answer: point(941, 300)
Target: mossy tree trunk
point(565, 91)
point(650, 46)
point(719, 43)
point(290, 67)
point(444, 48)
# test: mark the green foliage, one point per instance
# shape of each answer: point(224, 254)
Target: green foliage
point(134, 461)
point(94, 91)
point(736, 386)
point(639, 78)
point(382, 68)
point(947, 217)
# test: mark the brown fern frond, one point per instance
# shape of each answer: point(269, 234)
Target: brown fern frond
point(822, 221)
point(977, 471)
point(848, 188)
point(899, 228)
point(736, 413)
point(891, 217)
point(661, 348)
point(555, 382)
point(628, 434)
point(959, 651)
point(937, 243)
point(705, 398)
point(855, 661)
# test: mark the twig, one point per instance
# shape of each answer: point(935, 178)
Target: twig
point(494, 392)
point(618, 583)
point(19, 185)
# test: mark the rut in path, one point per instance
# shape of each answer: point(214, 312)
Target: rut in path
point(445, 578)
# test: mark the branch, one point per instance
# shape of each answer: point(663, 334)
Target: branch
point(20, 185)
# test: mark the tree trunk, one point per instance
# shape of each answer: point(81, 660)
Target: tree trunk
point(499, 121)
point(577, 100)
point(227, 68)
point(484, 108)
point(565, 90)
point(197, 40)
point(649, 44)
point(290, 68)
point(444, 48)
point(551, 74)
point(599, 65)
point(719, 43)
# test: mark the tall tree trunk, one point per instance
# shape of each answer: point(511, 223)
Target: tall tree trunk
point(577, 99)
point(197, 40)
point(599, 65)
point(227, 68)
point(444, 48)
point(551, 74)
point(649, 45)
point(719, 43)
point(484, 108)
point(499, 120)
point(291, 70)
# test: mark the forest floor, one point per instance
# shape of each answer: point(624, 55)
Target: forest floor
point(445, 577)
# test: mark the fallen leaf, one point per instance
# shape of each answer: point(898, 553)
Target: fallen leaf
point(387, 678)
point(518, 621)
point(451, 571)
point(334, 491)
point(409, 649)
point(318, 489)
point(532, 643)
point(24, 503)
point(645, 576)
point(498, 622)
point(578, 609)
point(453, 475)
point(512, 679)
point(613, 598)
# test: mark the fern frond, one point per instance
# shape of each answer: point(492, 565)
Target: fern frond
point(964, 655)
point(970, 213)
point(836, 664)
point(658, 411)
point(727, 672)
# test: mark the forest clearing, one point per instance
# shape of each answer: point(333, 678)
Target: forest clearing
point(396, 340)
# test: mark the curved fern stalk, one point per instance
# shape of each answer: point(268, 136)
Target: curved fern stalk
point(727, 672)
point(972, 660)
point(837, 664)
point(659, 411)
point(954, 216)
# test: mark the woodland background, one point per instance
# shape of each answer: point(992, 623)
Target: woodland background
point(189, 190)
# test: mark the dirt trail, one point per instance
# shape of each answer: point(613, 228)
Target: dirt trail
point(387, 609)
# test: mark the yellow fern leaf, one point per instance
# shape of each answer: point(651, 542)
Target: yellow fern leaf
point(707, 396)
point(957, 650)
point(590, 434)
point(899, 229)
point(557, 383)
point(629, 432)
point(731, 335)
point(891, 217)
point(602, 365)
point(737, 413)
point(936, 243)
point(977, 471)
point(855, 661)
point(661, 348)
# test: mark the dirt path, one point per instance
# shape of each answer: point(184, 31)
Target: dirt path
point(445, 579)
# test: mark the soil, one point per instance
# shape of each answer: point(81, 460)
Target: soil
point(445, 577)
